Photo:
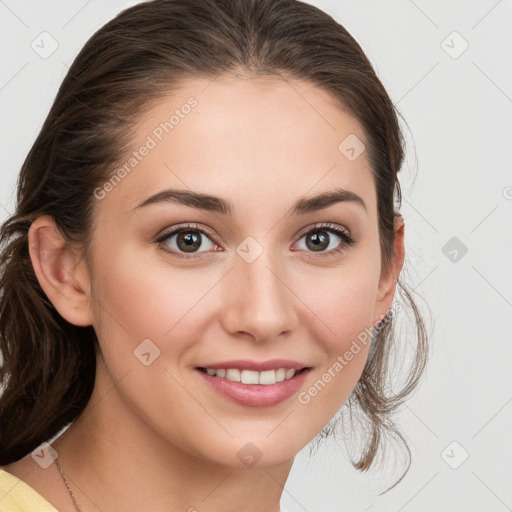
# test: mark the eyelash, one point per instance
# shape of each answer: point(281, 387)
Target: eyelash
point(347, 239)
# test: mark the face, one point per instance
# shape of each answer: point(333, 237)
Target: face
point(254, 281)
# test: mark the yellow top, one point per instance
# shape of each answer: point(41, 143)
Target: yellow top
point(18, 496)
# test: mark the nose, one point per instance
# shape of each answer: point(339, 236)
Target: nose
point(259, 299)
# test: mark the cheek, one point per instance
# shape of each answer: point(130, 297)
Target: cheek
point(343, 303)
point(139, 296)
point(343, 306)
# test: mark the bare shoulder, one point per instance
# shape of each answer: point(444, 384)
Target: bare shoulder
point(21, 468)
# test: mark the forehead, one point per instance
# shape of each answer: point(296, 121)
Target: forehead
point(252, 139)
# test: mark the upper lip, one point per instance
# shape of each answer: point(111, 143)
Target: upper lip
point(259, 366)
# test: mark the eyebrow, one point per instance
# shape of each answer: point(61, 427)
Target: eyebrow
point(218, 205)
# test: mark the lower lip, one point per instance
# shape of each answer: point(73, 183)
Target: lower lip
point(256, 395)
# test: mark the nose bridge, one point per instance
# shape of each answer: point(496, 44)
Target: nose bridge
point(262, 303)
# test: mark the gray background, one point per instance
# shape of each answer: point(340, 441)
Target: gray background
point(457, 187)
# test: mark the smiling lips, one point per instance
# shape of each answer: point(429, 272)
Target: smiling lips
point(255, 384)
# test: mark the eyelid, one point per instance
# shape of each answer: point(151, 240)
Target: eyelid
point(190, 225)
point(323, 225)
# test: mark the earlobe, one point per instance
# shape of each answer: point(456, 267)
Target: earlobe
point(388, 282)
point(59, 271)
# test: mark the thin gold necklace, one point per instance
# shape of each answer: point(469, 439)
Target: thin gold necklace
point(64, 477)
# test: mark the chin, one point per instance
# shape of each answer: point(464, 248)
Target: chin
point(258, 450)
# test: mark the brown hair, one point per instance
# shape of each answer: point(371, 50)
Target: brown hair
point(48, 365)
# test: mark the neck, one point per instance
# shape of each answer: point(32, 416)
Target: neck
point(115, 461)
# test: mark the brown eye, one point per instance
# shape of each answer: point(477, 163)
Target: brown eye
point(317, 240)
point(326, 240)
point(187, 239)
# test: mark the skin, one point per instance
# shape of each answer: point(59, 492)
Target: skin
point(157, 437)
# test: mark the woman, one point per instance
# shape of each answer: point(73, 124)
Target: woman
point(201, 268)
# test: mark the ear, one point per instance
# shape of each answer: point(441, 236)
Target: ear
point(388, 281)
point(60, 270)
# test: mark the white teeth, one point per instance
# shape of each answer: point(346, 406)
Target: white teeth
point(265, 378)
point(280, 375)
point(233, 374)
point(249, 377)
